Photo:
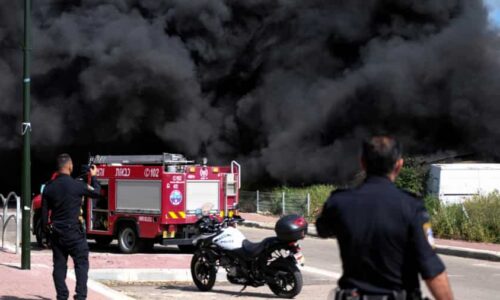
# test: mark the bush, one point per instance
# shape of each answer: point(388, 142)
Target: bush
point(477, 219)
point(412, 177)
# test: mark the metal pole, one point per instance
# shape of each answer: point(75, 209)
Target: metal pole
point(4, 216)
point(258, 200)
point(283, 202)
point(18, 220)
point(26, 133)
point(308, 204)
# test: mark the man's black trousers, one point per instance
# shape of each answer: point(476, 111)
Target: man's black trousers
point(73, 242)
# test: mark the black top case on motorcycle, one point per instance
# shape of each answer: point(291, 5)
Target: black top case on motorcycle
point(291, 228)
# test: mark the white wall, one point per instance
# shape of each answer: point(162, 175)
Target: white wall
point(453, 183)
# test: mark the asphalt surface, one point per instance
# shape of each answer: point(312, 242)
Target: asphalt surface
point(470, 278)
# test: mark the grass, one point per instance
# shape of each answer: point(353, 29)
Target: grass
point(477, 219)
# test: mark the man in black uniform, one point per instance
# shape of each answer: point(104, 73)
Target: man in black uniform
point(63, 197)
point(383, 233)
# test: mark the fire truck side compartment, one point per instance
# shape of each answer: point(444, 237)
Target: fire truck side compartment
point(231, 189)
point(201, 192)
point(138, 196)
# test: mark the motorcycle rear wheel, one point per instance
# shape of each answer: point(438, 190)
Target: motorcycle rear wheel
point(203, 272)
point(287, 282)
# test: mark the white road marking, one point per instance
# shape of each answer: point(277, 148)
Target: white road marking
point(102, 289)
point(488, 265)
point(333, 275)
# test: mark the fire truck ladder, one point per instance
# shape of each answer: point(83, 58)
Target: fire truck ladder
point(165, 159)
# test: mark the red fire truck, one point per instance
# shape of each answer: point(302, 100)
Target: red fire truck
point(148, 199)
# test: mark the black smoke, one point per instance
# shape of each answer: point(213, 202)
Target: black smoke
point(287, 87)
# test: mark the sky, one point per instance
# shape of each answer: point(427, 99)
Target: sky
point(494, 6)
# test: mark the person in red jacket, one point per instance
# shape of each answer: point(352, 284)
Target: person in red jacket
point(38, 230)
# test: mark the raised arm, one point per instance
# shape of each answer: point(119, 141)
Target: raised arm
point(92, 190)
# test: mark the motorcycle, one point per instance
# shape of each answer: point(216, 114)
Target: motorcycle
point(273, 261)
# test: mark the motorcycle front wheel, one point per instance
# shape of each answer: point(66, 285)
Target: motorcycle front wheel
point(203, 272)
point(287, 281)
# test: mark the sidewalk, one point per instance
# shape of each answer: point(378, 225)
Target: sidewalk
point(37, 283)
point(465, 249)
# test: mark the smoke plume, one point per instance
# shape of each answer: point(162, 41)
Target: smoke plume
point(287, 87)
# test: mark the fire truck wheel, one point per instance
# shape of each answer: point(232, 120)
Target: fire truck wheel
point(128, 240)
point(103, 241)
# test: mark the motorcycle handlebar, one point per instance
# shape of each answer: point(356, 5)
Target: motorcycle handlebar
point(207, 224)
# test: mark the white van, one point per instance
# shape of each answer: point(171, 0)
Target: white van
point(453, 183)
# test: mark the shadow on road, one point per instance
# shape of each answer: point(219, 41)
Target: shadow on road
point(218, 291)
point(113, 249)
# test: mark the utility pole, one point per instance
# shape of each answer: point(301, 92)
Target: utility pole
point(26, 133)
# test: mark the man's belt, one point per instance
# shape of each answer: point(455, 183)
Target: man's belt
point(346, 294)
point(65, 226)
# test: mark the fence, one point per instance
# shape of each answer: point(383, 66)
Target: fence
point(276, 203)
point(8, 215)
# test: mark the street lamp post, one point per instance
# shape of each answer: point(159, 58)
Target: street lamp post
point(26, 133)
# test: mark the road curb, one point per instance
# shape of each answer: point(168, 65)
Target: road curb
point(445, 250)
point(146, 275)
point(469, 253)
point(101, 288)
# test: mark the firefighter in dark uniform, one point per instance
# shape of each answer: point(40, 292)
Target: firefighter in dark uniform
point(383, 233)
point(63, 196)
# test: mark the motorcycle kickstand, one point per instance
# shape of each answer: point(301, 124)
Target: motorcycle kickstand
point(244, 288)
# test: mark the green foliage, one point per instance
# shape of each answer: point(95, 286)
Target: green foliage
point(412, 178)
point(318, 193)
point(432, 204)
point(477, 219)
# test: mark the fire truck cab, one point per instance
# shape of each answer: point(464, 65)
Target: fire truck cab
point(148, 199)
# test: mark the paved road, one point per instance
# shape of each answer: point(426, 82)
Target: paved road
point(471, 279)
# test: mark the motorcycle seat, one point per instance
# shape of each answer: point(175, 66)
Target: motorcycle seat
point(254, 249)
